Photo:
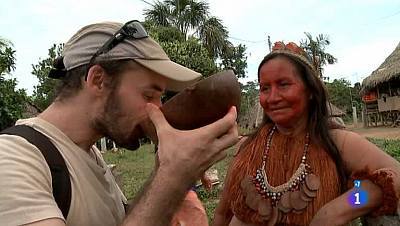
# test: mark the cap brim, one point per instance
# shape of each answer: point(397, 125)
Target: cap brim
point(179, 76)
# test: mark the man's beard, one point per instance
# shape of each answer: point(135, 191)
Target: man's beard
point(107, 124)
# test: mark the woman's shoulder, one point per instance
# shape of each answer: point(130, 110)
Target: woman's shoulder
point(341, 136)
point(348, 142)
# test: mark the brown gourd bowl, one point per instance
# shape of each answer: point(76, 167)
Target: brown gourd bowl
point(201, 104)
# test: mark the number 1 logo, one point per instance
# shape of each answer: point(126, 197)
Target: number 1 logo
point(357, 198)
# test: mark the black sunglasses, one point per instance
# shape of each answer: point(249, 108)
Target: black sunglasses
point(132, 29)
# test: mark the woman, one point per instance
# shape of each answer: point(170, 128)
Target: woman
point(298, 169)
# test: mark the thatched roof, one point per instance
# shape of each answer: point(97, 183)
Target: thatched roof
point(30, 110)
point(253, 117)
point(334, 111)
point(388, 70)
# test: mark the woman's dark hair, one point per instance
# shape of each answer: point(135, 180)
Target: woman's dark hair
point(71, 83)
point(318, 116)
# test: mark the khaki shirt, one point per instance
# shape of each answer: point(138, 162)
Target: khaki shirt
point(26, 188)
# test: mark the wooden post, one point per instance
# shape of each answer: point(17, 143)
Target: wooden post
point(114, 149)
point(355, 121)
point(103, 144)
point(363, 118)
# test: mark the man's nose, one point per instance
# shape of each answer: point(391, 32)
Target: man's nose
point(158, 102)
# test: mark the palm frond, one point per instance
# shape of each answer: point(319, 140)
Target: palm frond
point(159, 14)
point(214, 36)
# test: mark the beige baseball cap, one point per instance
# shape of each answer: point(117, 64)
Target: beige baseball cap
point(145, 51)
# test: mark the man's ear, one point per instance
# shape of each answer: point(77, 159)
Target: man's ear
point(95, 80)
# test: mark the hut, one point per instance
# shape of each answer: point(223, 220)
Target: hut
point(31, 110)
point(336, 114)
point(381, 92)
point(335, 111)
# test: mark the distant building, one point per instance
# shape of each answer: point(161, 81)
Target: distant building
point(30, 110)
point(381, 92)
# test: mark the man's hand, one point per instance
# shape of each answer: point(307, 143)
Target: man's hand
point(183, 157)
point(186, 155)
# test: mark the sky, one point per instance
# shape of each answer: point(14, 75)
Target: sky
point(362, 32)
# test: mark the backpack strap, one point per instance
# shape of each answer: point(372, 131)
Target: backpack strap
point(59, 172)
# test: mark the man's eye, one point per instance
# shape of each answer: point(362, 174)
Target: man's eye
point(148, 96)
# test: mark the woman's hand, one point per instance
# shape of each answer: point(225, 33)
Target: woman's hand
point(206, 181)
point(339, 211)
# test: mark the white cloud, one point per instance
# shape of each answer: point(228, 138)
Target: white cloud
point(36, 25)
point(362, 32)
point(357, 62)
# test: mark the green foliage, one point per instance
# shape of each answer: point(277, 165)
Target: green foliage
point(343, 95)
point(191, 54)
point(339, 91)
point(214, 36)
point(12, 100)
point(315, 48)
point(7, 57)
point(163, 33)
point(193, 15)
point(392, 147)
point(249, 97)
point(43, 93)
point(182, 14)
point(234, 58)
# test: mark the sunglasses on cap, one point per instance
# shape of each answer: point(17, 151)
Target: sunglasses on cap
point(131, 30)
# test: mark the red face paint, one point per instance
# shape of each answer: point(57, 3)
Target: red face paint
point(283, 94)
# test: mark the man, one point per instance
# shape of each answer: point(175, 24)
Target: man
point(112, 79)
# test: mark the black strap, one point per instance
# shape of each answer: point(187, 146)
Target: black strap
point(59, 171)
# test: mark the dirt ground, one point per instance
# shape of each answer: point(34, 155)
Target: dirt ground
point(377, 132)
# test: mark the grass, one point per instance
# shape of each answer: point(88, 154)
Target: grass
point(133, 168)
point(392, 147)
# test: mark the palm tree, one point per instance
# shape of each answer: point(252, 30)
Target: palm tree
point(214, 36)
point(191, 16)
point(7, 57)
point(160, 14)
point(316, 50)
point(182, 14)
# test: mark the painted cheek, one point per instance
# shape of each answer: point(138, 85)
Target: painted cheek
point(297, 109)
point(299, 105)
point(263, 101)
